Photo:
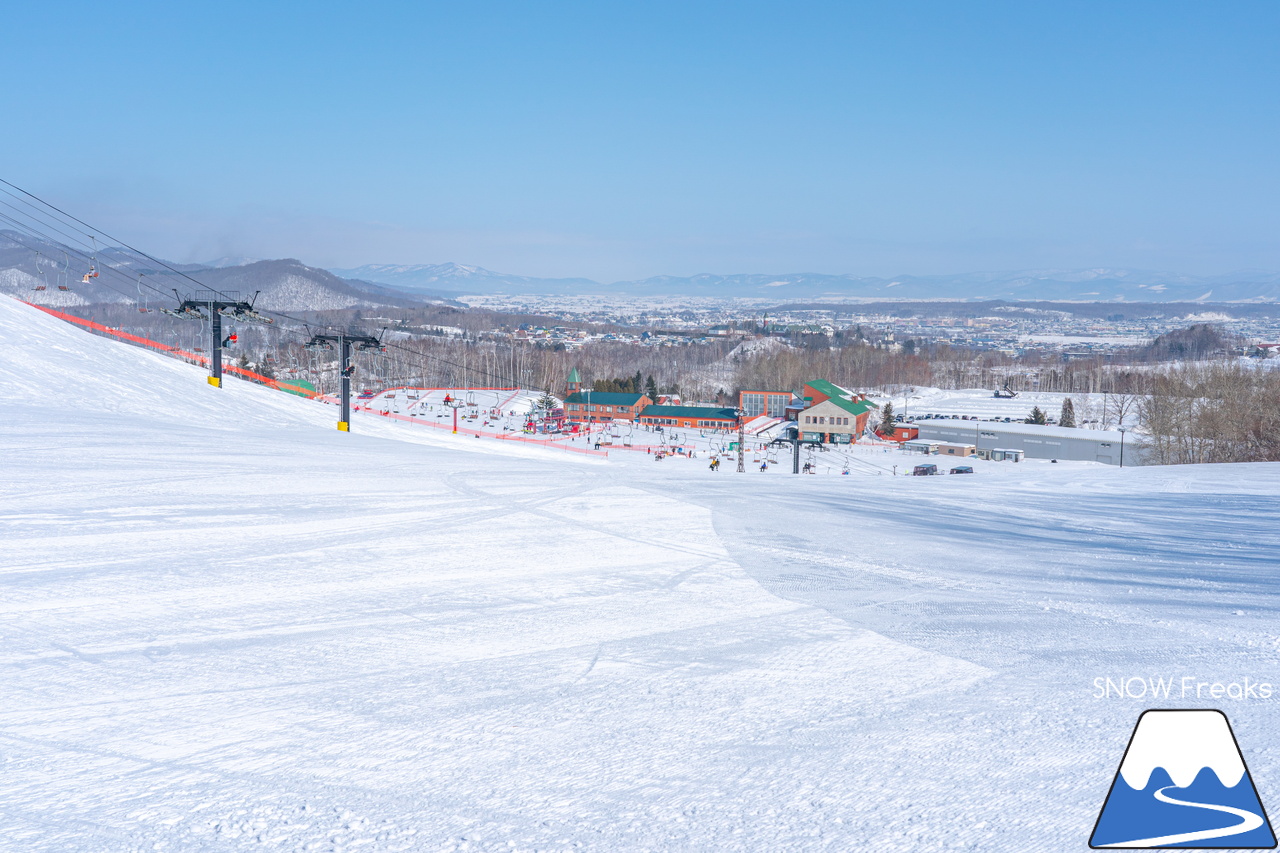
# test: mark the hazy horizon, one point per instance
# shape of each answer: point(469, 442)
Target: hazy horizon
point(617, 143)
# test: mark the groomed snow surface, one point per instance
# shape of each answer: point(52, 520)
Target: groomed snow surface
point(225, 625)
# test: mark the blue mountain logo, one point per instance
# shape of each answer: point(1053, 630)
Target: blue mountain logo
point(1183, 783)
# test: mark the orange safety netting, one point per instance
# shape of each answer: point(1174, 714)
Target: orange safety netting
point(174, 351)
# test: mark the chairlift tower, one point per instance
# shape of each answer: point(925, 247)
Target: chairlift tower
point(344, 340)
point(742, 440)
point(455, 404)
point(213, 305)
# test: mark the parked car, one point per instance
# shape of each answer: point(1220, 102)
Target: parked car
point(924, 470)
point(962, 469)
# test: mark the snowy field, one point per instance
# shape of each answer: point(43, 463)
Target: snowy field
point(982, 403)
point(228, 626)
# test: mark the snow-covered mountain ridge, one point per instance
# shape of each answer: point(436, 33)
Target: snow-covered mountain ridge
point(285, 285)
point(1086, 285)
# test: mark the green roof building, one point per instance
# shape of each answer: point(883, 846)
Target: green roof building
point(690, 417)
point(603, 405)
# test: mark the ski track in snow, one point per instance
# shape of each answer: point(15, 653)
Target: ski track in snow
point(226, 626)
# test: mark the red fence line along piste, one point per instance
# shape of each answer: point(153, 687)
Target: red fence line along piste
point(300, 390)
point(544, 442)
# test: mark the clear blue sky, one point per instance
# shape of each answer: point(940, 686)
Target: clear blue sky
point(621, 140)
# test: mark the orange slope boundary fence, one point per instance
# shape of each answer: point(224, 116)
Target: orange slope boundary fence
point(196, 358)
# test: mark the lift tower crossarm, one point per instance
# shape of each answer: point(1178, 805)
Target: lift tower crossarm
point(218, 305)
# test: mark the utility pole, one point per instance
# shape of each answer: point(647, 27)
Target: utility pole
point(344, 340)
point(217, 305)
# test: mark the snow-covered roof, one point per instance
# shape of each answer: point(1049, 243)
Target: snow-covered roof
point(1038, 430)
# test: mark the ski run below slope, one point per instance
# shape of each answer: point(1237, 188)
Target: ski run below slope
point(225, 625)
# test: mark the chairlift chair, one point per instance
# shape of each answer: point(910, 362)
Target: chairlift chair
point(63, 274)
point(142, 298)
point(93, 262)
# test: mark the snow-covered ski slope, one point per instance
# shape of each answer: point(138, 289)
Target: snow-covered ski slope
point(225, 625)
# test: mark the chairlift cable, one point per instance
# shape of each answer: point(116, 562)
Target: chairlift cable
point(422, 357)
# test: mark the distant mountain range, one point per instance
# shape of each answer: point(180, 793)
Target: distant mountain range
point(38, 270)
point(461, 279)
point(1093, 285)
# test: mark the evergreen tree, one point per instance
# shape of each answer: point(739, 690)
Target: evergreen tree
point(546, 402)
point(887, 427)
point(1037, 416)
point(1068, 416)
point(651, 388)
point(637, 383)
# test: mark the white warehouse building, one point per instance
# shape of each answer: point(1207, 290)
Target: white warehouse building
point(1039, 442)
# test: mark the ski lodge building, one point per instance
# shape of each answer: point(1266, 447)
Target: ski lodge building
point(604, 406)
point(833, 415)
point(596, 406)
point(690, 417)
point(771, 404)
point(825, 412)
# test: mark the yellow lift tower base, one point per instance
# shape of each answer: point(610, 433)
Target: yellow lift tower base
point(344, 426)
point(215, 381)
